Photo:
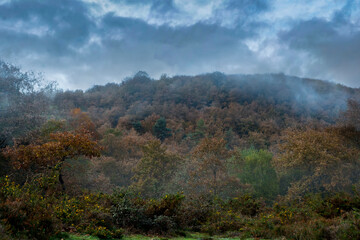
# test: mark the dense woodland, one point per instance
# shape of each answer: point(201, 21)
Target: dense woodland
point(265, 155)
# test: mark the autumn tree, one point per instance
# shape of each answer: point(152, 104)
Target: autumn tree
point(328, 160)
point(351, 116)
point(125, 148)
point(155, 169)
point(82, 123)
point(52, 154)
point(211, 155)
point(149, 122)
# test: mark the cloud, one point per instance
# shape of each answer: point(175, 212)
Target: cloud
point(332, 45)
point(85, 42)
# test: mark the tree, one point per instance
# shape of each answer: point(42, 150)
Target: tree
point(52, 126)
point(155, 169)
point(62, 146)
point(138, 127)
point(211, 154)
point(82, 123)
point(199, 130)
point(351, 117)
point(328, 160)
point(254, 167)
point(4, 163)
point(160, 129)
point(23, 102)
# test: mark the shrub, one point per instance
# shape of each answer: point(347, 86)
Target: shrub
point(246, 205)
point(24, 210)
point(195, 212)
point(158, 216)
point(39, 214)
point(128, 211)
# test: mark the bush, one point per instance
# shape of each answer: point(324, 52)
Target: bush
point(24, 210)
point(195, 212)
point(158, 216)
point(350, 226)
point(128, 210)
point(246, 205)
point(31, 211)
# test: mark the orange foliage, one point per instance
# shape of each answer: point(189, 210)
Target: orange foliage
point(61, 146)
point(211, 170)
point(329, 160)
point(82, 123)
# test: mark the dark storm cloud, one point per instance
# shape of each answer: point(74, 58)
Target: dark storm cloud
point(131, 44)
point(41, 35)
point(65, 22)
point(86, 42)
point(176, 47)
point(63, 40)
point(333, 45)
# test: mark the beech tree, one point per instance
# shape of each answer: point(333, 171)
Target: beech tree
point(155, 169)
point(211, 154)
point(328, 160)
point(61, 146)
point(82, 123)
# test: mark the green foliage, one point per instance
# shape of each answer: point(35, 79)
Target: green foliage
point(255, 167)
point(36, 211)
point(195, 212)
point(232, 215)
point(199, 131)
point(128, 211)
point(138, 127)
point(29, 211)
point(160, 130)
point(24, 210)
point(157, 216)
point(245, 204)
point(52, 126)
point(155, 169)
point(113, 131)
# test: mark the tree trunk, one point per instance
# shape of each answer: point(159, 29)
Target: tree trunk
point(61, 180)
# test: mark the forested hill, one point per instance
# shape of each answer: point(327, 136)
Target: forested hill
point(186, 97)
point(244, 104)
point(214, 151)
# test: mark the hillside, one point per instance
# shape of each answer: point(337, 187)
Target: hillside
point(213, 153)
point(244, 103)
point(140, 95)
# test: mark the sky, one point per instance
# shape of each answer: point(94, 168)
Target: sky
point(81, 43)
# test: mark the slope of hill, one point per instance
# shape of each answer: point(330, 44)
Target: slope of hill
point(236, 99)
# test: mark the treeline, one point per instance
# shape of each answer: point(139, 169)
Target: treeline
point(249, 154)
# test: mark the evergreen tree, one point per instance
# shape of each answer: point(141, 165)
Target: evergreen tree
point(160, 130)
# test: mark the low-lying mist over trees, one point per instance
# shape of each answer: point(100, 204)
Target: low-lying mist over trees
point(214, 153)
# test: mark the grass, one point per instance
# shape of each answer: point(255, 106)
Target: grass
point(192, 236)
